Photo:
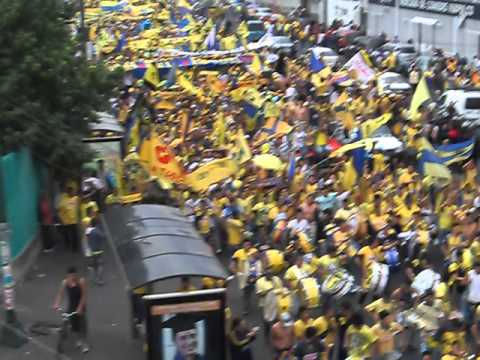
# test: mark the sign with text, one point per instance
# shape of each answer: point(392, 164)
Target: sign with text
point(470, 9)
point(188, 325)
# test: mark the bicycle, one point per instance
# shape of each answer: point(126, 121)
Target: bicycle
point(64, 332)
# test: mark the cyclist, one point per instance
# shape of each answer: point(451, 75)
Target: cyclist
point(76, 290)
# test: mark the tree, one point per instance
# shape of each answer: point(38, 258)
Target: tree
point(49, 93)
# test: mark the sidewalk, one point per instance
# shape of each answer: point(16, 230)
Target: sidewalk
point(107, 310)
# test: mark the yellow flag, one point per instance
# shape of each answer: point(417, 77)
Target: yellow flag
point(370, 126)
point(159, 160)
point(241, 151)
point(238, 93)
point(254, 97)
point(211, 173)
point(256, 66)
point(186, 83)
point(151, 75)
point(421, 95)
point(271, 110)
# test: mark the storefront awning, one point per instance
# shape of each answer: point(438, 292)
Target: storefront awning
point(424, 21)
point(156, 242)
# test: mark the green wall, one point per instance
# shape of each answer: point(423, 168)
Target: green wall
point(20, 189)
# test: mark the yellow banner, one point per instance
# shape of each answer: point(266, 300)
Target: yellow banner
point(160, 161)
point(211, 173)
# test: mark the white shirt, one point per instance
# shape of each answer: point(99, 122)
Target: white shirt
point(298, 225)
point(473, 287)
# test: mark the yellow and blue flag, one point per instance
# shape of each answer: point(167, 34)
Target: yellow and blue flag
point(430, 165)
point(453, 153)
point(151, 76)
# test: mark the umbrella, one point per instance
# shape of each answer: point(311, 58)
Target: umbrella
point(268, 161)
point(387, 143)
point(366, 143)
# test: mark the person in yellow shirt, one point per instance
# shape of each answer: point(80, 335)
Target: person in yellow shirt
point(68, 212)
point(385, 332)
point(304, 321)
point(446, 219)
point(246, 264)
point(359, 339)
point(300, 270)
point(234, 231)
point(407, 211)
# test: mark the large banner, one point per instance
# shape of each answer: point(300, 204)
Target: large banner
point(184, 326)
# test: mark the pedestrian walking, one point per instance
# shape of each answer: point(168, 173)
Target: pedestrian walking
point(68, 212)
point(282, 336)
point(240, 338)
point(96, 244)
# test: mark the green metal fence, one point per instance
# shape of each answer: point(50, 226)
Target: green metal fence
point(19, 193)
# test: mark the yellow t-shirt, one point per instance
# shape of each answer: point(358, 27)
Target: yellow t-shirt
point(242, 254)
point(294, 274)
point(68, 209)
point(368, 255)
point(445, 218)
point(361, 341)
point(454, 241)
point(85, 206)
point(234, 230)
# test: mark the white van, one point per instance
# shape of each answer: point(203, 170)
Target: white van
point(465, 102)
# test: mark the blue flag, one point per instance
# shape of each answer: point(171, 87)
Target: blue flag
point(121, 43)
point(359, 155)
point(316, 65)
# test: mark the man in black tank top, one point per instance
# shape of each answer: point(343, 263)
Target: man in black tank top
point(76, 289)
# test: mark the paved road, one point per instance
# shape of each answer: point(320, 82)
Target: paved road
point(107, 309)
point(107, 312)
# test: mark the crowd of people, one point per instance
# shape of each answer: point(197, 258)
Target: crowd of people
point(358, 253)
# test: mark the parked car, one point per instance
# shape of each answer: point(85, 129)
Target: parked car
point(256, 30)
point(392, 82)
point(369, 43)
point(466, 103)
point(328, 56)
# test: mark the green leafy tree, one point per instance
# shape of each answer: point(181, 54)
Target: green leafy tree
point(49, 93)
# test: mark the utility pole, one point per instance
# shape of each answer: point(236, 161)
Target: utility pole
point(11, 333)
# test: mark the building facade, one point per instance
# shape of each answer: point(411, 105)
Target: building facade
point(451, 25)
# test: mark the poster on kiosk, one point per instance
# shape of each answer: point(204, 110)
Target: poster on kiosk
point(186, 326)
